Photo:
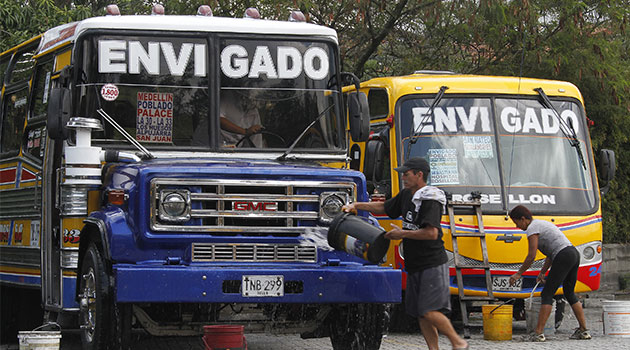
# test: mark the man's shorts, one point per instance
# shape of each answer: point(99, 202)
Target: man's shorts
point(428, 290)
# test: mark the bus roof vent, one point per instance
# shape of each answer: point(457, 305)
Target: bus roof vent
point(297, 16)
point(434, 72)
point(112, 10)
point(204, 10)
point(252, 12)
point(157, 10)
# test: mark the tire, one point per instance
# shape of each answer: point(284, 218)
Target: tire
point(359, 327)
point(95, 306)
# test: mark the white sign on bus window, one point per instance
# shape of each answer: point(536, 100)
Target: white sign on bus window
point(290, 62)
point(477, 119)
point(443, 165)
point(154, 117)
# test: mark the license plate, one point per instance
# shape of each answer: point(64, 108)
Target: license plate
point(502, 283)
point(262, 286)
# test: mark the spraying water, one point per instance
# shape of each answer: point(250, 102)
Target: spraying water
point(316, 235)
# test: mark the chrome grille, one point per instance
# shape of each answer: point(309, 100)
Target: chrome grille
point(238, 207)
point(254, 252)
point(70, 258)
point(536, 265)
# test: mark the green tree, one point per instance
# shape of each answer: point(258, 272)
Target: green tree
point(23, 19)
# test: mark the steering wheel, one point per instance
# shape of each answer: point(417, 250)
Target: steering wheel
point(263, 132)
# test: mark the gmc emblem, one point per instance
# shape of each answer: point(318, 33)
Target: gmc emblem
point(255, 206)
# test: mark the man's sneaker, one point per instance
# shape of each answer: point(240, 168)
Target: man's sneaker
point(581, 334)
point(537, 337)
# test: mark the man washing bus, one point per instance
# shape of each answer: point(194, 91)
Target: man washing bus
point(562, 258)
point(421, 207)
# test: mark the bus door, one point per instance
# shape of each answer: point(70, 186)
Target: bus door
point(52, 277)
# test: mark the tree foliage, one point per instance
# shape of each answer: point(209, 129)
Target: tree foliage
point(586, 42)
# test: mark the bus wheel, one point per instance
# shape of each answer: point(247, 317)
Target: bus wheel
point(94, 301)
point(359, 327)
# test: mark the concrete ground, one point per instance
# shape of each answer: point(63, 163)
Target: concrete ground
point(408, 341)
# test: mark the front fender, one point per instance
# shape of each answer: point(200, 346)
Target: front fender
point(115, 232)
point(102, 228)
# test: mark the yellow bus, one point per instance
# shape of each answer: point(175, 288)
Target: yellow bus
point(510, 140)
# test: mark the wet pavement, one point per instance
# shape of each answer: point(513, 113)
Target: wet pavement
point(406, 341)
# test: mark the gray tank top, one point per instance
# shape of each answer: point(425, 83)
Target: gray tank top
point(550, 239)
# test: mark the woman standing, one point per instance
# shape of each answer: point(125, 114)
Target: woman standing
point(561, 257)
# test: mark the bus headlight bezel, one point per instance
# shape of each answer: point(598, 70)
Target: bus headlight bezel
point(330, 204)
point(174, 205)
point(585, 251)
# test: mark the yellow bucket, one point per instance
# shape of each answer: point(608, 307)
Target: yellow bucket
point(497, 322)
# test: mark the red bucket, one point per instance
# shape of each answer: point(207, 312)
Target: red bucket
point(224, 337)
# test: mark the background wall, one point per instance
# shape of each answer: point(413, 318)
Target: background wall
point(616, 264)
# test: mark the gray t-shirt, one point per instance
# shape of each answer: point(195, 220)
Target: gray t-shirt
point(550, 239)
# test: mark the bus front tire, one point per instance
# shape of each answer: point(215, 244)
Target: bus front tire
point(358, 327)
point(95, 310)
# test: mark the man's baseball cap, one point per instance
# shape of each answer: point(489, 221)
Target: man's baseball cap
point(415, 163)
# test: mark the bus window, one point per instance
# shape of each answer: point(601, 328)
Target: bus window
point(280, 101)
point(4, 64)
point(159, 99)
point(41, 90)
point(23, 67)
point(35, 132)
point(13, 121)
point(379, 103)
point(34, 141)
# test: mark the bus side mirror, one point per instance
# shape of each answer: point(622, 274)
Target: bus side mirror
point(359, 116)
point(607, 169)
point(374, 160)
point(58, 113)
point(376, 169)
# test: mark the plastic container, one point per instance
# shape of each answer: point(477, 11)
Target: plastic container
point(356, 236)
point(497, 321)
point(616, 317)
point(532, 308)
point(224, 337)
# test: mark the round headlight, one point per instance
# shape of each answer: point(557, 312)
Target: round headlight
point(332, 206)
point(588, 253)
point(174, 204)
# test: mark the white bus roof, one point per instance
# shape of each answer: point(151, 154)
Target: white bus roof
point(169, 24)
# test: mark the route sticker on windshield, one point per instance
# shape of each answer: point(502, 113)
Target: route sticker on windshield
point(478, 147)
point(443, 163)
point(154, 117)
point(109, 92)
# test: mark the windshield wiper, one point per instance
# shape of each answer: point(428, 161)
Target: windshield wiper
point(124, 133)
point(566, 127)
point(436, 100)
point(319, 117)
point(117, 126)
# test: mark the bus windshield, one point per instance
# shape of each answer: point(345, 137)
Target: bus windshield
point(510, 150)
point(179, 93)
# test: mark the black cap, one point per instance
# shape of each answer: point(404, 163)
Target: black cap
point(415, 163)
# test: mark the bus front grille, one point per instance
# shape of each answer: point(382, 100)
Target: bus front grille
point(254, 252)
